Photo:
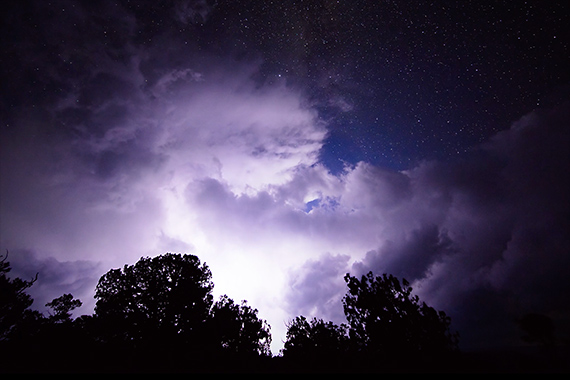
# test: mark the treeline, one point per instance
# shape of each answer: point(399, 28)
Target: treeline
point(159, 315)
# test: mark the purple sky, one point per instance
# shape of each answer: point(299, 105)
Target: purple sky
point(111, 151)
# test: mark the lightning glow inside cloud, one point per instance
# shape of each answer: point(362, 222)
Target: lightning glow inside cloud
point(146, 156)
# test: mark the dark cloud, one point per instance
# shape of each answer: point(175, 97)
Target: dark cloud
point(193, 11)
point(316, 288)
point(484, 239)
point(55, 278)
point(504, 233)
point(411, 257)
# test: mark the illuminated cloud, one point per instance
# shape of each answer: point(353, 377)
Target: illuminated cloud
point(142, 146)
point(230, 173)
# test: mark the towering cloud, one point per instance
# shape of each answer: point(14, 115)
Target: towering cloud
point(134, 144)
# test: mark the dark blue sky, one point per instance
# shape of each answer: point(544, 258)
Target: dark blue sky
point(397, 82)
point(417, 80)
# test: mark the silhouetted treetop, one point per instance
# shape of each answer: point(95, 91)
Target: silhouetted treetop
point(62, 307)
point(171, 293)
point(14, 300)
point(315, 338)
point(167, 302)
point(385, 317)
point(238, 328)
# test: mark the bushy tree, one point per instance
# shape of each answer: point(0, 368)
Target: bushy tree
point(166, 297)
point(167, 302)
point(238, 329)
point(315, 339)
point(388, 328)
point(385, 317)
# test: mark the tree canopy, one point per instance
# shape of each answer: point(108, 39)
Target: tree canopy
point(385, 317)
point(15, 302)
point(238, 329)
point(386, 324)
point(315, 338)
point(167, 301)
point(165, 296)
point(159, 314)
point(62, 307)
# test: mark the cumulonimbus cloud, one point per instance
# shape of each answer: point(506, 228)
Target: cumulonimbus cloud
point(162, 151)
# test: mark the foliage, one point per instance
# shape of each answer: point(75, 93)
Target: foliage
point(14, 301)
point(167, 300)
point(62, 307)
point(315, 338)
point(159, 314)
point(165, 297)
point(388, 327)
point(385, 317)
point(238, 328)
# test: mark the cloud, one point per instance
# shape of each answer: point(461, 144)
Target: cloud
point(248, 137)
point(497, 231)
point(483, 238)
point(194, 11)
point(317, 287)
point(341, 103)
point(141, 146)
point(142, 157)
point(54, 277)
point(411, 256)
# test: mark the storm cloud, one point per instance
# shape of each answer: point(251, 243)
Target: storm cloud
point(126, 147)
point(486, 238)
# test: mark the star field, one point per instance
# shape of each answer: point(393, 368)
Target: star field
point(396, 82)
point(403, 82)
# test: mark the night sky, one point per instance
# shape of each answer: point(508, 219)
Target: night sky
point(286, 143)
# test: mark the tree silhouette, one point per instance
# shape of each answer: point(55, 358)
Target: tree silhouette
point(166, 298)
point(158, 314)
point(315, 339)
point(15, 303)
point(238, 329)
point(62, 307)
point(161, 311)
point(385, 318)
point(388, 328)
